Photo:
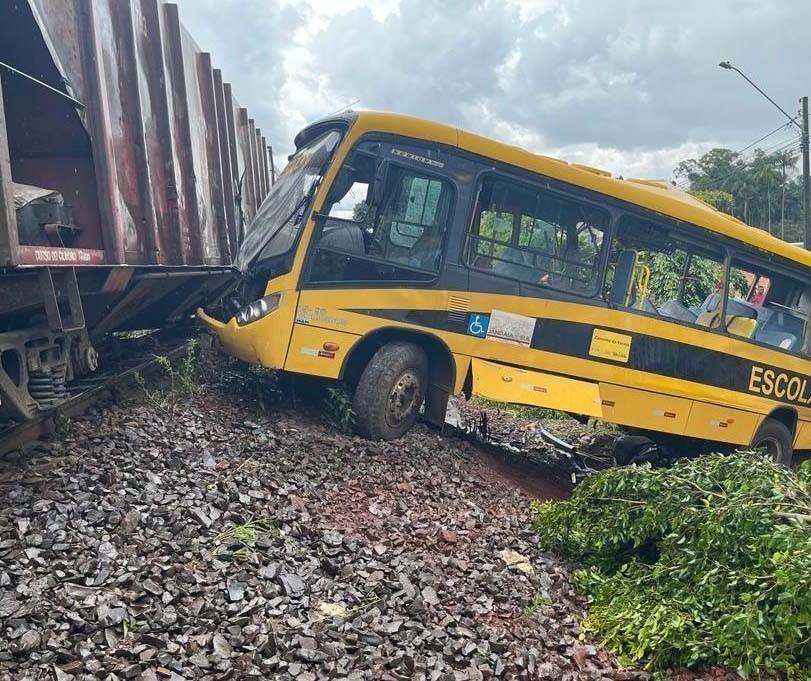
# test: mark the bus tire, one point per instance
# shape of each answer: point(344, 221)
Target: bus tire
point(630, 449)
point(390, 391)
point(775, 437)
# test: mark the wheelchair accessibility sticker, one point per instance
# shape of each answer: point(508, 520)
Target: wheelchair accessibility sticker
point(477, 324)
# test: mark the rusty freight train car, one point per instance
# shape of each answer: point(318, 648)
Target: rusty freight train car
point(127, 171)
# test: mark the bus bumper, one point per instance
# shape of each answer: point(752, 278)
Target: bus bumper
point(241, 342)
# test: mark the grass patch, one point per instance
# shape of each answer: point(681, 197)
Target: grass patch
point(519, 411)
point(538, 601)
point(178, 380)
point(245, 536)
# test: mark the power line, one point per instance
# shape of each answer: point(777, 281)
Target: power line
point(778, 129)
point(342, 108)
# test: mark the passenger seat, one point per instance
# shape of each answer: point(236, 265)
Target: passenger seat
point(741, 326)
point(777, 338)
point(708, 318)
point(675, 310)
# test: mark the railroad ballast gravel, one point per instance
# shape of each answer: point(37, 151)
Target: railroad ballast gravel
point(223, 541)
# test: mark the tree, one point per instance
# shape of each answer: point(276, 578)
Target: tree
point(698, 564)
point(717, 169)
point(751, 182)
point(787, 160)
point(765, 170)
point(717, 198)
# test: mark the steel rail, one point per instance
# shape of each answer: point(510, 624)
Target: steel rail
point(45, 423)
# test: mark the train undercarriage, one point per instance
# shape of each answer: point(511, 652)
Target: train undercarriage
point(53, 318)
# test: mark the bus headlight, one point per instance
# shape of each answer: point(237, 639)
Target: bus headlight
point(258, 309)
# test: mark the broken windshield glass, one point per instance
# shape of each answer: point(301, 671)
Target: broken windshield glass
point(277, 224)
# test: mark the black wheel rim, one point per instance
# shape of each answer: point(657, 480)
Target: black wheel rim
point(770, 447)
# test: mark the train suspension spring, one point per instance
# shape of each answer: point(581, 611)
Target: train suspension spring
point(47, 387)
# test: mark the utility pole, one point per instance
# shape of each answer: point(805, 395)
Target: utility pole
point(803, 148)
point(806, 178)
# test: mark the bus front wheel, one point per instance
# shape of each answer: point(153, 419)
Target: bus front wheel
point(775, 439)
point(390, 391)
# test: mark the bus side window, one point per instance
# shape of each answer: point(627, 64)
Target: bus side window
point(413, 231)
point(495, 234)
point(783, 316)
point(396, 236)
point(804, 307)
point(529, 234)
point(744, 300)
point(669, 278)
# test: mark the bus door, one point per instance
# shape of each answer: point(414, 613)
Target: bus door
point(377, 252)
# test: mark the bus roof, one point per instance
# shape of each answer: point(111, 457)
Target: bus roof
point(656, 195)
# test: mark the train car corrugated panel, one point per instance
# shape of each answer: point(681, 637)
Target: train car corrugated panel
point(121, 120)
point(226, 162)
point(255, 161)
point(198, 129)
point(253, 175)
point(8, 224)
point(152, 163)
point(248, 186)
point(263, 175)
point(265, 165)
point(137, 90)
point(177, 103)
point(272, 165)
point(158, 182)
point(257, 135)
point(238, 162)
point(208, 100)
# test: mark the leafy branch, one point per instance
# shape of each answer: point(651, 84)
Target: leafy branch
point(708, 562)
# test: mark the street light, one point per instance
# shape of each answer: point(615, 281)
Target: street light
point(803, 147)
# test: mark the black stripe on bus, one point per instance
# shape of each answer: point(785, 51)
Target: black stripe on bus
point(651, 354)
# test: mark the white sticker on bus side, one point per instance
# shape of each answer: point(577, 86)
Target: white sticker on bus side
point(507, 327)
point(415, 157)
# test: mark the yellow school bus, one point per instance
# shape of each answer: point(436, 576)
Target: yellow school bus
point(413, 261)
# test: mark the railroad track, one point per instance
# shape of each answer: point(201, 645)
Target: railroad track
point(89, 390)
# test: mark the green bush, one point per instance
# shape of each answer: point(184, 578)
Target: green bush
point(338, 410)
point(708, 562)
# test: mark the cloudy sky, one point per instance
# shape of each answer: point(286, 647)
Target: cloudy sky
point(631, 86)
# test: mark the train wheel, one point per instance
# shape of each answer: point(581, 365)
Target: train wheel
point(774, 439)
point(390, 391)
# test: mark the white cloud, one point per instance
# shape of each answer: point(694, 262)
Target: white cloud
point(632, 85)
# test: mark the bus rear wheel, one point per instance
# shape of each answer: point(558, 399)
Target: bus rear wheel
point(775, 439)
point(390, 391)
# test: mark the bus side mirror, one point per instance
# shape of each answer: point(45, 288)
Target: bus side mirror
point(379, 186)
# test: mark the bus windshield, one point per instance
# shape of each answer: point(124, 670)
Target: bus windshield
point(274, 229)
